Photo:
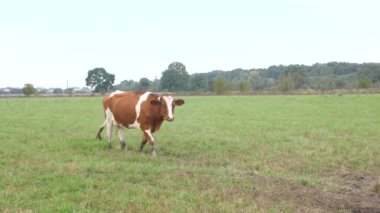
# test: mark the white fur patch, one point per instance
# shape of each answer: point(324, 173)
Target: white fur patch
point(149, 133)
point(116, 92)
point(169, 101)
point(142, 98)
point(109, 117)
point(121, 133)
point(110, 121)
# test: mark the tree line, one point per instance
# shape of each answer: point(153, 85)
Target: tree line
point(327, 76)
point(284, 78)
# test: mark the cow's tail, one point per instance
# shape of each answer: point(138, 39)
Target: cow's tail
point(99, 135)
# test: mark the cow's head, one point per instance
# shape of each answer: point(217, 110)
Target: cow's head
point(168, 104)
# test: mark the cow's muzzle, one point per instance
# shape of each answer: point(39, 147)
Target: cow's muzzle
point(169, 119)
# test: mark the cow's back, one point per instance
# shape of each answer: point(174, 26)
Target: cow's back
point(106, 99)
point(123, 107)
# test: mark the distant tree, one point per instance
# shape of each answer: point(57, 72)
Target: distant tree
point(100, 79)
point(340, 83)
point(255, 79)
point(220, 85)
point(28, 90)
point(57, 91)
point(296, 73)
point(364, 83)
point(244, 86)
point(144, 84)
point(128, 85)
point(156, 85)
point(269, 83)
point(286, 83)
point(369, 71)
point(318, 76)
point(341, 68)
point(198, 82)
point(274, 72)
point(175, 78)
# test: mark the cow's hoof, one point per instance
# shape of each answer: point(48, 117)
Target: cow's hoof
point(153, 154)
point(122, 146)
point(109, 146)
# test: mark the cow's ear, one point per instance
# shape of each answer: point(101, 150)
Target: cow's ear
point(155, 102)
point(179, 102)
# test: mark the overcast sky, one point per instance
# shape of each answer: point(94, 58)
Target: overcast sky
point(47, 42)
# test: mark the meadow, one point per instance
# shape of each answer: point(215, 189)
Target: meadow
point(318, 153)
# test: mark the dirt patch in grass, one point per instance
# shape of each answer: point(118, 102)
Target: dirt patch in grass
point(352, 192)
point(360, 191)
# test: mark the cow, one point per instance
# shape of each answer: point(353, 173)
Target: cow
point(146, 111)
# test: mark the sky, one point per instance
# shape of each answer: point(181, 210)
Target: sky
point(52, 43)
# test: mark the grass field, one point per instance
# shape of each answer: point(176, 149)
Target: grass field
point(222, 154)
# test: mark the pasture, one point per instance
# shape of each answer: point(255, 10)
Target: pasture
point(221, 154)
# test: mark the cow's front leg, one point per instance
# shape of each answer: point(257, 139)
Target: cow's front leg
point(148, 135)
point(143, 142)
point(121, 134)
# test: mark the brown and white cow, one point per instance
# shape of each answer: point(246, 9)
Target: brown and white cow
point(146, 111)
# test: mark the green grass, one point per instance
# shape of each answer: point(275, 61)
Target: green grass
point(222, 154)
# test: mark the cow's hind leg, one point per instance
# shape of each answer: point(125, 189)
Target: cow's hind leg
point(148, 134)
point(109, 123)
point(109, 132)
point(121, 134)
point(109, 135)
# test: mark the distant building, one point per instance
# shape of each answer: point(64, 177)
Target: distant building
point(5, 91)
point(86, 90)
point(79, 90)
point(50, 91)
point(10, 90)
